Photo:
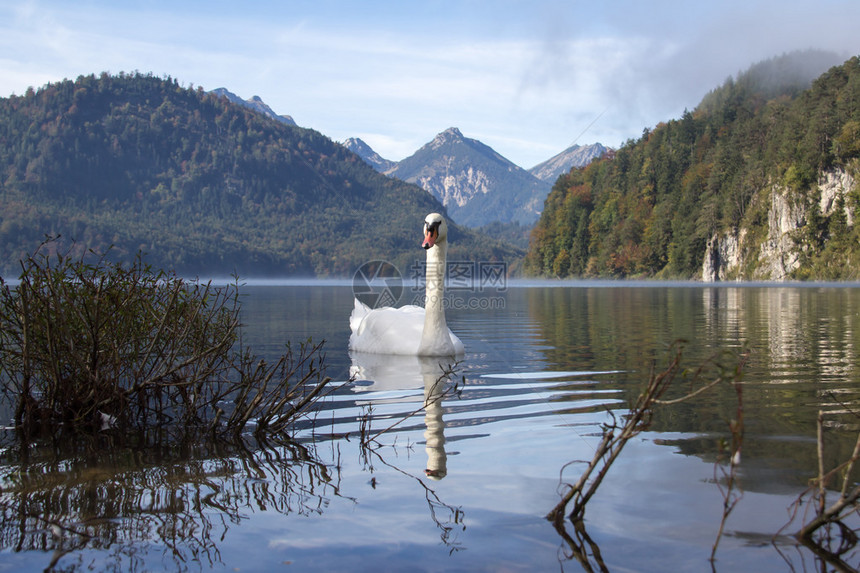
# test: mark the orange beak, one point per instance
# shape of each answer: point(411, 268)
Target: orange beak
point(429, 237)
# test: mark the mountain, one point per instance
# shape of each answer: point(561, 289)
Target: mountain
point(573, 156)
point(256, 104)
point(371, 157)
point(759, 182)
point(200, 185)
point(457, 182)
point(476, 184)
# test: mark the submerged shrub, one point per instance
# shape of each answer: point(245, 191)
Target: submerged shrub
point(89, 344)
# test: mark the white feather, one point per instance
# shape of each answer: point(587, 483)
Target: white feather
point(402, 330)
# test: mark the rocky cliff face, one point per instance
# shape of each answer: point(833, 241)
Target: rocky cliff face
point(723, 256)
point(456, 188)
point(778, 255)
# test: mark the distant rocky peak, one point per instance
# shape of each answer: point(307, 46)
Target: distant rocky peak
point(450, 135)
point(255, 103)
point(573, 156)
point(475, 183)
point(363, 150)
point(357, 145)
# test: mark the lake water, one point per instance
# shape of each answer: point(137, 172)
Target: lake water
point(464, 484)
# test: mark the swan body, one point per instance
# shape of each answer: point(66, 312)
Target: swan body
point(411, 330)
point(386, 330)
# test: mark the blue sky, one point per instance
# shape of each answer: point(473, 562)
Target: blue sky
point(526, 78)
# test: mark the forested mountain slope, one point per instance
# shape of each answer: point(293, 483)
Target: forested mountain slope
point(199, 184)
point(756, 183)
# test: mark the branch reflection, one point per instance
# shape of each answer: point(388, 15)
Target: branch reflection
point(580, 546)
point(149, 500)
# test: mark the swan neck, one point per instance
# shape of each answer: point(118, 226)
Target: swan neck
point(435, 279)
point(435, 339)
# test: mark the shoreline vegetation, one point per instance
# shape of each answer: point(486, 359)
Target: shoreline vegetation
point(132, 395)
point(89, 345)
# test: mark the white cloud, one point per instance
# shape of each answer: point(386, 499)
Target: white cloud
point(525, 79)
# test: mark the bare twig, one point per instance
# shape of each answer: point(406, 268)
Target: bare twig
point(730, 497)
point(615, 437)
point(638, 418)
point(848, 500)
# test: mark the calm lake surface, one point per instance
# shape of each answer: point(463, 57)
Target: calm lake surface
point(544, 367)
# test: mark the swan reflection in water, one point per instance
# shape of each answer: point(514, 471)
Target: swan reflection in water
point(392, 374)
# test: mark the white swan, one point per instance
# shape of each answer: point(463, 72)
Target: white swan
point(411, 330)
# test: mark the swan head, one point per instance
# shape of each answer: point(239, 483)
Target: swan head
point(435, 230)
